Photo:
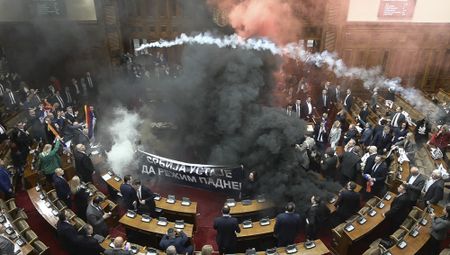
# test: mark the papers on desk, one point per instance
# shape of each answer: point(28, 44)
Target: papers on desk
point(185, 201)
point(107, 177)
point(264, 222)
point(131, 214)
point(310, 244)
point(55, 212)
point(349, 227)
point(231, 202)
point(179, 224)
point(291, 249)
point(170, 199)
point(247, 224)
point(162, 221)
point(146, 218)
point(402, 244)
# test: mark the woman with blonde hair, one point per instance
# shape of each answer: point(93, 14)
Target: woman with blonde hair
point(49, 160)
point(335, 134)
point(409, 145)
point(81, 197)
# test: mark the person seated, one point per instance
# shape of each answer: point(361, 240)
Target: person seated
point(118, 248)
point(87, 244)
point(6, 245)
point(177, 239)
point(67, 233)
point(207, 249)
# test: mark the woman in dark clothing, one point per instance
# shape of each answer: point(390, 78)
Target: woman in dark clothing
point(249, 188)
point(81, 197)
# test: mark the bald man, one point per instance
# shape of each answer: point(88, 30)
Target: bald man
point(414, 184)
point(118, 248)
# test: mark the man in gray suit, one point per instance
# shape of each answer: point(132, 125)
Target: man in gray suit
point(96, 217)
point(118, 248)
point(414, 184)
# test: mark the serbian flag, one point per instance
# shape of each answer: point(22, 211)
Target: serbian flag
point(90, 119)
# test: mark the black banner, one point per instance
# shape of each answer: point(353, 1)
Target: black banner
point(227, 179)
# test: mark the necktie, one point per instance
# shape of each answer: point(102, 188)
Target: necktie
point(11, 96)
point(325, 101)
point(396, 116)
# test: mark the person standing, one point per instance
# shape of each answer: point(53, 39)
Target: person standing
point(129, 195)
point(96, 217)
point(5, 181)
point(335, 134)
point(287, 226)
point(439, 230)
point(62, 187)
point(146, 201)
point(400, 207)
point(83, 164)
point(414, 184)
point(348, 202)
point(226, 227)
point(49, 160)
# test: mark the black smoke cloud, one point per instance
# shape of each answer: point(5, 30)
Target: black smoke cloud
point(221, 105)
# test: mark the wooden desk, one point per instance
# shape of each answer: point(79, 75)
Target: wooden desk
point(142, 250)
point(256, 231)
point(175, 208)
point(320, 249)
point(152, 227)
point(371, 223)
point(44, 211)
point(255, 207)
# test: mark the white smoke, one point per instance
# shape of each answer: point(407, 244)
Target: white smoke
point(124, 132)
point(371, 78)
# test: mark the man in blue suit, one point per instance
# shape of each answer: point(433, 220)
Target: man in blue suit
point(178, 240)
point(287, 226)
point(62, 187)
point(128, 193)
point(226, 227)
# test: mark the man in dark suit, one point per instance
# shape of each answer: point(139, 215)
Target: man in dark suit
point(350, 166)
point(96, 217)
point(129, 197)
point(350, 134)
point(83, 164)
point(348, 202)
point(400, 207)
point(118, 244)
point(57, 98)
point(146, 202)
point(324, 102)
point(87, 244)
point(308, 109)
point(414, 184)
point(335, 93)
point(376, 176)
point(226, 227)
point(329, 164)
point(287, 225)
point(62, 187)
point(434, 189)
point(363, 114)
point(321, 136)
point(297, 108)
point(383, 140)
point(397, 117)
point(67, 233)
point(178, 240)
point(348, 101)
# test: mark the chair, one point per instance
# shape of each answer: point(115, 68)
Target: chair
point(30, 236)
point(19, 214)
point(11, 205)
point(39, 247)
point(70, 214)
point(52, 196)
point(21, 226)
point(398, 235)
point(363, 211)
point(79, 223)
point(408, 224)
point(60, 205)
point(415, 213)
point(372, 202)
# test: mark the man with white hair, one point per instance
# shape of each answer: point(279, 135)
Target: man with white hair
point(62, 187)
point(434, 189)
point(83, 164)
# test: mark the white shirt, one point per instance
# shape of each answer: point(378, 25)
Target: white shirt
point(345, 100)
point(428, 184)
point(309, 107)
point(412, 179)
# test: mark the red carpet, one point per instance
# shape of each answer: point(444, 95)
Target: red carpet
point(209, 206)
